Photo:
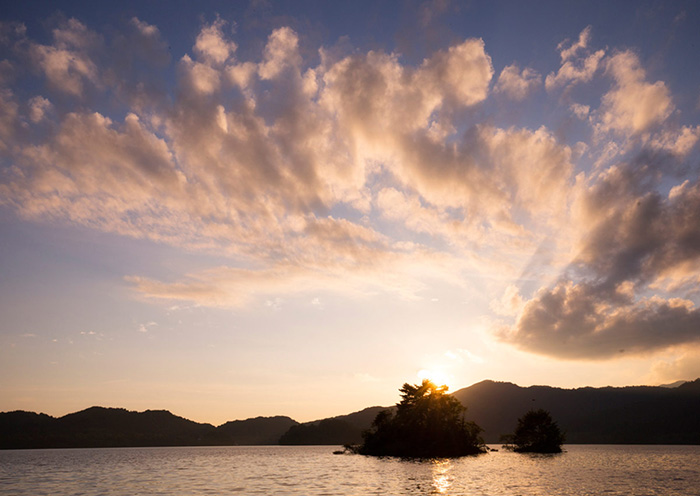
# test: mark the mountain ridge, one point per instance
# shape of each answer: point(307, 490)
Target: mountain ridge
point(98, 426)
point(588, 415)
point(605, 415)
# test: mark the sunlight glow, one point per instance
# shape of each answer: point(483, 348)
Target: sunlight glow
point(439, 376)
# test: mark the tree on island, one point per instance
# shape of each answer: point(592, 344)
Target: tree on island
point(536, 432)
point(428, 423)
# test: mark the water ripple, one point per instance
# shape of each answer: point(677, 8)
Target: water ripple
point(314, 471)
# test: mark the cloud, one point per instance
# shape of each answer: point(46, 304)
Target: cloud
point(145, 327)
point(511, 303)
point(397, 206)
point(681, 366)
point(133, 65)
point(399, 273)
point(200, 78)
point(365, 174)
point(38, 107)
point(9, 119)
point(572, 321)
point(463, 72)
point(254, 175)
point(6, 72)
point(680, 142)
point(579, 64)
point(378, 101)
point(211, 44)
point(636, 233)
point(629, 287)
point(580, 111)
point(281, 51)
point(67, 64)
point(582, 43)
point(141, 41)
point(11, 32)
point(518, 85)
point(633, 105)
point(116, 177)
point(633, 240)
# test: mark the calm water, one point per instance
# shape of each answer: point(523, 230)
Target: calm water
point(314, 470)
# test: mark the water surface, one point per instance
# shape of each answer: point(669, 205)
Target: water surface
point(314, 470)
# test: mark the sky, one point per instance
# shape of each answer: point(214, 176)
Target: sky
point(234, 209)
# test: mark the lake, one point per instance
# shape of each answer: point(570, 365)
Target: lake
point(314, 470)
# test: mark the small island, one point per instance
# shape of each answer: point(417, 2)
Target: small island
point(428, 423)
point(536, 432)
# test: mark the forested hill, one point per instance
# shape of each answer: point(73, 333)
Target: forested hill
point(117, 427)
point(344, 429)
point(626, 415)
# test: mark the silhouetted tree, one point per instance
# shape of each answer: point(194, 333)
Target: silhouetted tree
point(428, 423)
point(537, 433)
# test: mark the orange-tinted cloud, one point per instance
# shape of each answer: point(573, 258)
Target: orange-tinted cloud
point(364, 173)
point(579, 64)
point(633, 105)
point(517, 84)
point(634, 241)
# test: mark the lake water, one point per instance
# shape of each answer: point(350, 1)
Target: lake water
point(314, 470)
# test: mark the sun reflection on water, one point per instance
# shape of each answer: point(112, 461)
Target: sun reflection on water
point(442, 480)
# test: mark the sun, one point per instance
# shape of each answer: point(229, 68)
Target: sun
point(437, 376)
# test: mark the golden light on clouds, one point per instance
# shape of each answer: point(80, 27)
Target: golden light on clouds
point(247, 185)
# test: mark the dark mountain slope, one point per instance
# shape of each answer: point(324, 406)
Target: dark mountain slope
point(344, 429)
point(259, 430)
point(639, 414)
point(21, 429)
point(117, 427)
point(101, 427)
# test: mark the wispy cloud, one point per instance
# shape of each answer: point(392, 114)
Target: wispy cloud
point(578, 63)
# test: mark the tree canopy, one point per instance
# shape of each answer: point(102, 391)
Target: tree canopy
point(428, 423)
point(537, 432)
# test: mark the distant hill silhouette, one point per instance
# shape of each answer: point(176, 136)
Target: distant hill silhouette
point(254, 431)
point(117, 427)
point(344, 429)
point(609, 415)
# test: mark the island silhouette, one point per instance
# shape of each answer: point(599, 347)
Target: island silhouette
point(427, 423)
point(536, 432)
